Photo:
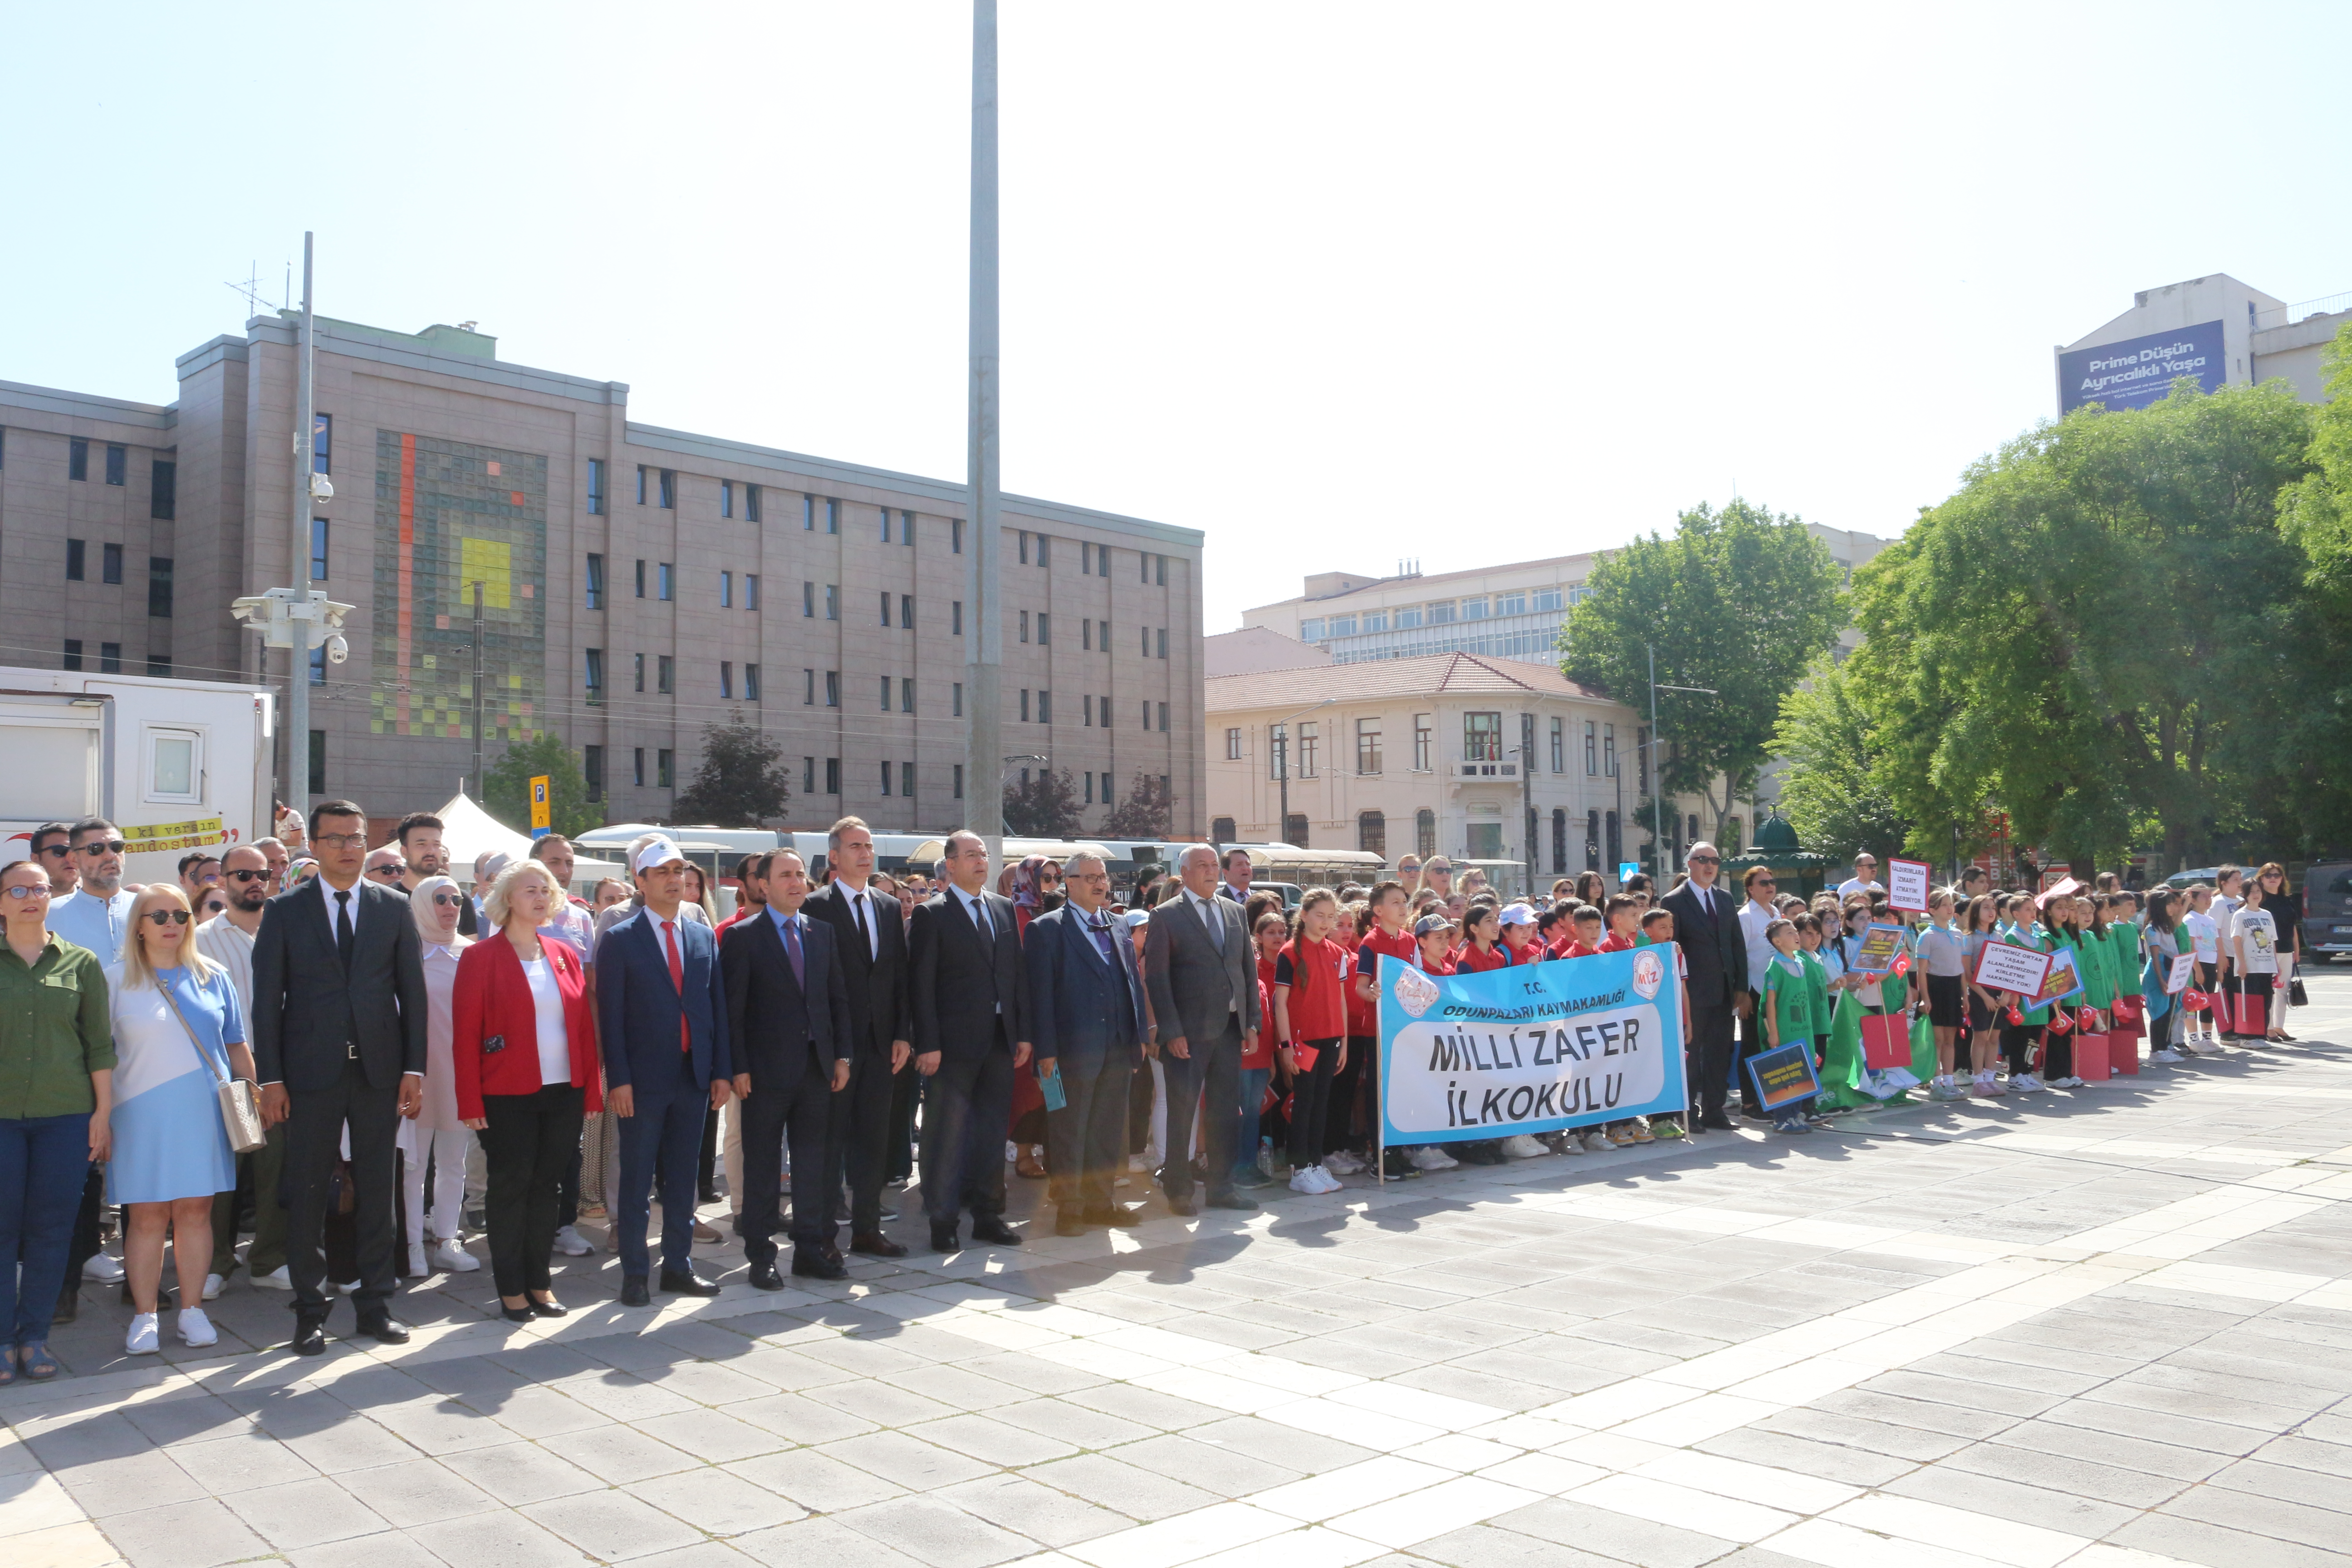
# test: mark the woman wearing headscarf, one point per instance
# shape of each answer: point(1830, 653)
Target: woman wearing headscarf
point(1025, 885)
point(441, 1136)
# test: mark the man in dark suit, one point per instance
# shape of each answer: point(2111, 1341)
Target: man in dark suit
point(788, 1026)
point(1202, 974)
point(337, 1033)
point(661, 1008)
point(970, 1008)
point(870, 936)
point(1085, 1022)
point(1706, 927)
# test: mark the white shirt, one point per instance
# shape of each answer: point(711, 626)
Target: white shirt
point(2205, 933)
point(2257, 939)
point(1753, 918)
point(1856, 885)
point(223, 941)
point(547, 1003)
point(864, 912)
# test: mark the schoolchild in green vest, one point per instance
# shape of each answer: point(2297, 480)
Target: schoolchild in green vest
point(1786, 999)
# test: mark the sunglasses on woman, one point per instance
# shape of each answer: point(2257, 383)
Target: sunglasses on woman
point(449, 900)
point(169, 917)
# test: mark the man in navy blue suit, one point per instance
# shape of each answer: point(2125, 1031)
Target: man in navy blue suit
point(788, 1022)
point(662, 1006)
point(1086, 1024)
point(970, 1002)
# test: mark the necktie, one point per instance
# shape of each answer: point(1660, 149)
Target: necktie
point(792, 951)
point(1100, 929)
point(979, 908)
point(678, 979)
point(1212, 918)
point(343, 926)
point(858, 913)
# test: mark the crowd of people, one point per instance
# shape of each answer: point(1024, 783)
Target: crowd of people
point(429, 1059)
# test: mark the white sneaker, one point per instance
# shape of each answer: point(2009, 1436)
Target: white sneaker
point(276, 1279)
point(1519, 1146)
point(571, 1244)
point(1567, 1144)
point(1430, 1157)
point(1138, 1163)
point(1340, 1162)
point(450, 1255)
point(102, 1268)
point(1302, 1180)
point(1596, 1141)
point(212, 1286)
point(418, 1265)
point(2026, 1083)
point(2166, 1055)
point(143, 1338)
point(1332, 1184)
point(195, 1327)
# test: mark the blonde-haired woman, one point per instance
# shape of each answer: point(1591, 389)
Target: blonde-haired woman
point(178, 1032)
point(440, 1133)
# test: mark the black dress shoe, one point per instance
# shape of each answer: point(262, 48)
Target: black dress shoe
point(765, 1277)
point(1067, 1224)
point(69, 1304)
point(943, 1238)
point(687, 1284)
point(633, 1292)
point(310, 1336)
point(1115, 1217)
point(874, 1244)
point(1186, 1206)
point(515, 1314)
point(550, 1308)
point(825, 1265)
point(989, 1228)
point(1718, 1123)
point(384, 1329)
point(1232, 1200)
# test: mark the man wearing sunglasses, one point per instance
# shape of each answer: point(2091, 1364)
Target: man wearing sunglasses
point(53, 849)
point(95, 915)
point(227, 940)
point(1707, 928)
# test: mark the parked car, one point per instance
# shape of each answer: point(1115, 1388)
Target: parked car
point(2327, 907)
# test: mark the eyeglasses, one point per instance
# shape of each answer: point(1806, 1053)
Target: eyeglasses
point(248, 876)
point(340, 840)
point(1764, 882)
point(60, 850)
point(394, 872)
point(449, 900)
point(1707, 860)
point(109, 846)
point(168, 917)
point(31, 890)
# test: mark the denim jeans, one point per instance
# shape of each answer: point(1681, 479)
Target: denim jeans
point(44, 1162)
point(1254, 1081)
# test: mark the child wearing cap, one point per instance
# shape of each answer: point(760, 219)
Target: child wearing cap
point(1432, 945)
point(1518, 923)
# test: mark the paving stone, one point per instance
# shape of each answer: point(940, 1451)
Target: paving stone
point(712, 1434)
point(1040, 1513)
point(825, 1541)
point(907, 1461)
point(183, 1535)
point(1830, 1461)
point(619, 1455)
point(422, 1491)
point(506, 1537)
point(2216, 1546)
point(304, 1513)
point(385, 1549)
point(612, 1524)
point(2324, 1527)
point(520, 1473)
point(815, 1480)
point(1487, 1546)
point(717, 1501)
point(2288, 1484)
point(934, 1532)
point(1617, 1535)
point(1129, 1489)
point(1996, 1498)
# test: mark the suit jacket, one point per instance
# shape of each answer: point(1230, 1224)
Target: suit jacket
point(308, 1013)
point(638, 1008)
point(775, 1024)
point(1715, 950)
point(1193, 986)
point(962, 982)
point(881, 1010)
point(1081, 1008)
point(492, 999)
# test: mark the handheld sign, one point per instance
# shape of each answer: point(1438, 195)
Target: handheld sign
point(1906, 885)
point(2177, 978)
point(2004, 967)
point(1880, 946)
point(540, 822)
point(1783, 1076)
point(2060, 983)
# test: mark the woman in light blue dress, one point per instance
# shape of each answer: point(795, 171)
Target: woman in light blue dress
point(178, 1032)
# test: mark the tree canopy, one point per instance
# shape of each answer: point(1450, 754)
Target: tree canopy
point(1144, 814)
point(1834, 796)
point(506, 787)
point(1046, 806)
point(741, 782)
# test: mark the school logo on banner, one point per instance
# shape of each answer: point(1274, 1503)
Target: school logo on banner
point(1414, 991)
point(1649, 972)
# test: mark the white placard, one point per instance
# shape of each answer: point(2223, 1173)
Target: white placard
point(2177, 980)
point(1906, 885)
point(2000, 966)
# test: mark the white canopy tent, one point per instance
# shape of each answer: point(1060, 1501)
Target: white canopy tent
point(467, 832)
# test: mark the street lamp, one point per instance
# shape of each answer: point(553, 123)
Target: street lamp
point(1657, 752)
point(1282, 828)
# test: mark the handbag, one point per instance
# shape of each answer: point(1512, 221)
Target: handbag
point(240, 1108)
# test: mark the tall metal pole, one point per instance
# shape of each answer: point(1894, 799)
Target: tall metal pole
point(1657, 770)
point(984, 639)
point(481, 794)
point(297, 678)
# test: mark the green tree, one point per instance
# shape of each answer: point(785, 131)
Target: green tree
point(741, 782)
point(2090, 634)
point(2315, 731)
point(1834, 795)
point(1740, 602)
point(1045, 806)
point(506, 791)
point(1144, 814)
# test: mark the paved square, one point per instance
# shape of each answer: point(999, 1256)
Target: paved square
point(2103, 1329)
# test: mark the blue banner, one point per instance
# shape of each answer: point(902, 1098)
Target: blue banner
point(1531, 1049)
point(2139, 370)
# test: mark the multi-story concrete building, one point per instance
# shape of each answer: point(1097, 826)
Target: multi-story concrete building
point(2215, 330)
point(1442, 753)
point(637, 584)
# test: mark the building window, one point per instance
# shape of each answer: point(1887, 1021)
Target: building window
point(591, 771)
point(641, 579)
point(886, 694)
point(885, 609)
point(808, 689)
point(1558, 841)
point(1441, 612)
point(72, 660)
point(751, 590)
point(751, 503)
point(596, 572)
point(808, 525)
point(906, 612)
point(667, 580)
point(1558, 745)
point(955, 617)
point(322, 443)
point(959, 781)
point(832, 601)
point(1220, 830)
point(1102, 560)
point(955, 547)
point(1143, 559)
point(641, 501)
point(110, 562)
point(1090, 777)
point(885, 768)
point(906, 694)
point(808, 600)
point(1376, 621)
point(1294, 830)
point(1147, 717)
point(159, 584)
point(726, 681)
point(1045, 550)
point(639, 660)
point(163, 490)
point(1475, 609)
point(1547, 599)
point(1591, 756)
point(1277, 745)
point(1616, 844)
point(808, 775)
point(1406, 619)
point(77, 459)
point(596, 675)
point(727, 497)
point(317, 762)
point(117, 460)
point(833, 525)
point(1233, 745)
point(669, 499)
point(1372, 833)
point(109, 658)
point(1045, 707)
point(1593, 841)
point(1368, 745)
point(1025, 705)
point(595, 486)
point(1510, 604)
point(832, 775)
point(1482, 737)
point(664, 769)
point(1087, 637)
point(1024, 547)
point(1163, 718)
point(664, 673)
point(1609, 750)
point(317, 667)
point(833, 689)
point(76, 556)
point(1421, 744)
point(1025, 626)
point(1163, 642)
point(750, 683)
point(637, 775)
point(1044, 628)
point(1311, 745)
point(727, 590)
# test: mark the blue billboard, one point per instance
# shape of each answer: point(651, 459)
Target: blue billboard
point(2139, 370)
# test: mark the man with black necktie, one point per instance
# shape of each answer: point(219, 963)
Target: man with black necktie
point(1706, 929)
point(338, 1028)
point(970, 1009)
point(787, 1021)
point(1087, 1023)
point(870, 936)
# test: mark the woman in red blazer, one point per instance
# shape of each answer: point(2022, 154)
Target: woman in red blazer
point(523, 1051)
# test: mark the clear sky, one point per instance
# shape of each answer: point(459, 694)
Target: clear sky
point(1336, 283)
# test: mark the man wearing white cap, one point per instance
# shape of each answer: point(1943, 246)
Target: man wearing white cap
point(663, 1007)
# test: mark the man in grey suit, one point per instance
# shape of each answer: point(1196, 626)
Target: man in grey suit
point(1202, 976)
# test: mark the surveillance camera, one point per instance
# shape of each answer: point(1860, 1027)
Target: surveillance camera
point(338, 650)
point(320, 488)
